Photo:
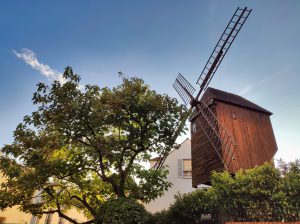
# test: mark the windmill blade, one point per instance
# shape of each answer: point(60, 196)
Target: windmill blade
point(232, 29)
point(162, 158)
point(184, 89)
point(224, 144)
point(160, 162)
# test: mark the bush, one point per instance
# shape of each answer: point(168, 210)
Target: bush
point(255, 195)
point(262, 194)
point(161, 217)
point(291, 186)
point(189, 207)
point(123, 211)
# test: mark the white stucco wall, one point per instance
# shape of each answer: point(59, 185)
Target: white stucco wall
point(180, 184)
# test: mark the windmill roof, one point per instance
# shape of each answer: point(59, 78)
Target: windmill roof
point(231, 98)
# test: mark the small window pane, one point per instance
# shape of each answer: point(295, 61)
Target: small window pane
point(187, 167)
point(234, 115)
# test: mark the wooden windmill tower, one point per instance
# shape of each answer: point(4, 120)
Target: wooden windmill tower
point(228, 132)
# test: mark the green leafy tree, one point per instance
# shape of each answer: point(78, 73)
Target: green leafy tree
point(264, 193)
point(291, 186)
point(189, 207)
point(252, 195)
point(161, 217)
point(81, 148)
point(118, 211)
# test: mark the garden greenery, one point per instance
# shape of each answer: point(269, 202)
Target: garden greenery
point(262, 194)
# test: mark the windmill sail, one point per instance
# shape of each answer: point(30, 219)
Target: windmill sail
point(221, 141)
point(212, 147)
point(220, 50)
point(184, 89)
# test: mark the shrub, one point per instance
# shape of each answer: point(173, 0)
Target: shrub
point(123, 211)
point(256, 195)
point(291, 186)
point(161, 217)
point(189, 207)
point(262, 194)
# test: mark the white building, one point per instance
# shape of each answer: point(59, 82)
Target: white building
point(180, 175)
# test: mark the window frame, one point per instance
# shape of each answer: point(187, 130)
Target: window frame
point(182, 169)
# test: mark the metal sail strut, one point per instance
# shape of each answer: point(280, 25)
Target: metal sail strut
point(220, 50)
point(184, 89)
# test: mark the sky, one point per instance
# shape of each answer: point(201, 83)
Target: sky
point(154, 40)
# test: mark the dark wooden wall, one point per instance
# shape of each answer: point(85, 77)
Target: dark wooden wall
point(204, 158)
point(252, 132)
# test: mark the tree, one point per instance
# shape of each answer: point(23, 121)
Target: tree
point(291, 186)
point(189, 207)
point(257, 195)
point(83, 147)
point(261, 194)
point(124, 211)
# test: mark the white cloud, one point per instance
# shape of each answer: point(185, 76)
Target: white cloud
point(246, 89)
point(30, 58)
point(250, 87)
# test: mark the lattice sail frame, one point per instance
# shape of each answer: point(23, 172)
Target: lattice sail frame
point(184, 89)
point(217, 134)
point(228, 36)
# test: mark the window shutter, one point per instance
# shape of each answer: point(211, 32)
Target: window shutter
point(180, 167)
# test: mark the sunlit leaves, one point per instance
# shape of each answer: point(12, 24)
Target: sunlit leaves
point(258, 194)
point(84, 145)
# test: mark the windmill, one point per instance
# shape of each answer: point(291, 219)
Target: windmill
point(213, 146)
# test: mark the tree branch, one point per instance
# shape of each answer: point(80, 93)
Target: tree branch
point(89, 127)
point(46, 212)
point(106, 178)
point(83, 142)
point(60, 214)
point(88, 222)
point(84, 202)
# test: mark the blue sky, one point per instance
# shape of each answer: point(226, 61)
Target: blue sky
point(154, 40)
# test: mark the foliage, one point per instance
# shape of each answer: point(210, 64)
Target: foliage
point(264, 193)
point(161, 217)
point(291, 186)
point(189, 207)
point(83, 147)
point(256, 194)
point(124, 211)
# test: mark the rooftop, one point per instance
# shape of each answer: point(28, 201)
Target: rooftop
point(231, 98)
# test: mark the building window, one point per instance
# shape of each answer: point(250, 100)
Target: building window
point(187, 167)
point(184, 167)
point(234, 116)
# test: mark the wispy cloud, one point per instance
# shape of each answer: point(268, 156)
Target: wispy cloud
point(30, 58)
point(250, 87)
point(246, 90)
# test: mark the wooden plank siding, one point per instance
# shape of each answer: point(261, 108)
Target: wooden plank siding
point(252, 132)
point(249, 126)
point(204, 158)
